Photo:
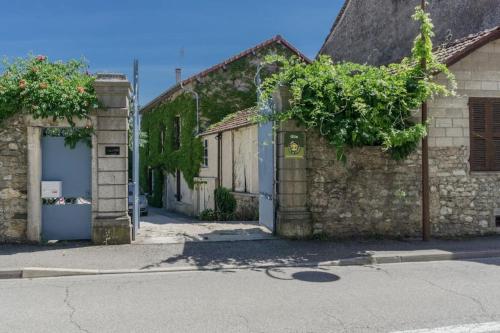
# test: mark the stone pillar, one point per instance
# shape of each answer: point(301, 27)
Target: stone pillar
point(293, 215)
point(111, 223)
point(34, 225)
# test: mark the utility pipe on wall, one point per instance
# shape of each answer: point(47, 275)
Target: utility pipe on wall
point(426, 230)
point(178, 77)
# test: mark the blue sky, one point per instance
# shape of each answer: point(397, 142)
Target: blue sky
point(110, 33)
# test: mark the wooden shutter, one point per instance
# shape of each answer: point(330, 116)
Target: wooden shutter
point(495, 131)
point(484, 134)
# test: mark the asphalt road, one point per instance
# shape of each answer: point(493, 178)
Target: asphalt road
point(436, 297)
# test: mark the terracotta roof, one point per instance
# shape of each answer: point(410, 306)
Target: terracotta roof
point(454, 51)
point(235, 120)
point(276, 39)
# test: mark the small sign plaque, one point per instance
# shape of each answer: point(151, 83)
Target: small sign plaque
point(112, 150)
point(51, 189)
point(295, 145)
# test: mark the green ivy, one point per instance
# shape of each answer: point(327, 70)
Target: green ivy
point(221, 93)
point(44, 89)
point(164, 156)
point(354, 105)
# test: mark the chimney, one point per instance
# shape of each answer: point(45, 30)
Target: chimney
point(178, 75)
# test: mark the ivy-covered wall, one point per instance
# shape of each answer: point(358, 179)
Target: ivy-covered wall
point(222, 92)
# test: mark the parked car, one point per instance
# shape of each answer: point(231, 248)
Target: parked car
point(143, 201)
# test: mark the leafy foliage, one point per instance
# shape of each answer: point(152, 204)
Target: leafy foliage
point(225, 204)
point(223, 92)
point(208, 215)
point(356, 105)
point(159, 152)
point(72, 135)
point(44, 89)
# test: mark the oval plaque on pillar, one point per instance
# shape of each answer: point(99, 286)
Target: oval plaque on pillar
point(295, 145)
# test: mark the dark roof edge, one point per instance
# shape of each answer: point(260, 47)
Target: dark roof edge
point(339, 18)
point(177, 86)
point(216, 128)
point(491, 36)
point(212, 132)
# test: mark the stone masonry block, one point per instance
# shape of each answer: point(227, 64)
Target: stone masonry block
point(444, 142)
point(486, 75)
point(454, 132)
point(112, 164)
point(473, 85)
point(112, 137)
point(113, 112)
point(112, 123)
point(489, 85)
point(113, 191)
point(464, 141)
point(113, 205)
point(110, 178)
point(111, 230)
point(461, 122)
point(444, 122)
point(437, 132)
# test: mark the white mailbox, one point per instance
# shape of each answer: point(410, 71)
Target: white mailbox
point(51, 189)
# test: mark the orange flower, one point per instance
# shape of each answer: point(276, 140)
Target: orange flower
point(41, 58)
point(22, 84)
point(43, 85)
point(81, 90)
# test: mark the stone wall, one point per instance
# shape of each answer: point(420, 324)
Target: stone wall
point(374, 195)
point(20, 217)
point(247, 206)
point(368, 196)
point(13, 183)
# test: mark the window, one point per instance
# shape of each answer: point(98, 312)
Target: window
point(484, 116)
point(205, 153)
point(162, 140)
point(177, 133)
point(178, 195)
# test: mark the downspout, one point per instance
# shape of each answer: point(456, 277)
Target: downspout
point(196, 96)
point(218, 137)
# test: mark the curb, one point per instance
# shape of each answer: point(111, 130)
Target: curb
point(369, 259)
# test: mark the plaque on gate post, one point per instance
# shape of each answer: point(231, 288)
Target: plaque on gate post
point(295, 145)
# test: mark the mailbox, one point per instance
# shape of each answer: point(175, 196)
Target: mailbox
point(52, 189)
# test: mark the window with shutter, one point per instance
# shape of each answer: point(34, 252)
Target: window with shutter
point(484, 134)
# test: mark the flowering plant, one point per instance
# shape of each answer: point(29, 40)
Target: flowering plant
point(45, 89)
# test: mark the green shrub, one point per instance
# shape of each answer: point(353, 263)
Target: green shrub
point(225, 204)
point(208, 215)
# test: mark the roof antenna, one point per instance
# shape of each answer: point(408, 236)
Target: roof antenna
point(449, 36)
point(196, 96)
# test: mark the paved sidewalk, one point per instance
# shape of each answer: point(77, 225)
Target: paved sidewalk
point(162, 227)
point(217, 254)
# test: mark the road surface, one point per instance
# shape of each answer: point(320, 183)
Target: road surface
point(431, 297)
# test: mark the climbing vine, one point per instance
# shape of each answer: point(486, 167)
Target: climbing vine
point(354, 105)
point(160, 152)
point(222, 92)
point(45, 89)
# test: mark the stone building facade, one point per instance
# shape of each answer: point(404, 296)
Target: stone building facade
point(21, 169)
point(13, 180)
point(223, 89)
point(374, 195)
point(230, 161)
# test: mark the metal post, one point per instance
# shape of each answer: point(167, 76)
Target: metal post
point(135, 168)
point(426, 230)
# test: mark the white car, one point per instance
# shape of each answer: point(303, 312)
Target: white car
point(143, 201)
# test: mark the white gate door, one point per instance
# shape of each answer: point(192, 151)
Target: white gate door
point(266, 174)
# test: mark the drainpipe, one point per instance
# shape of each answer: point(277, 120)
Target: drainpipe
point(178, 78)
point(218, 137)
